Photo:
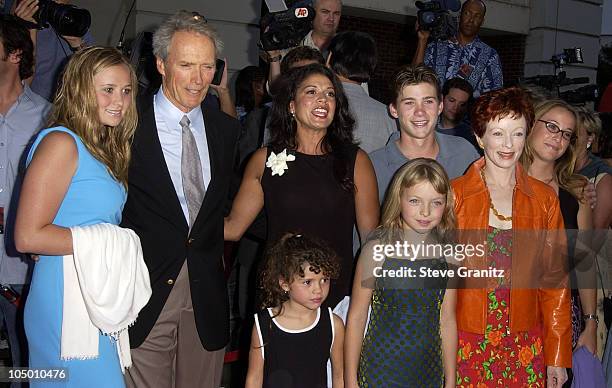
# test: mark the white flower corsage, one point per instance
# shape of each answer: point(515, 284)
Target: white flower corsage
point(278, 162)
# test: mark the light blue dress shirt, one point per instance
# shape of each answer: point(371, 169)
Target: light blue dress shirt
point(167, 118)
point(17, 127)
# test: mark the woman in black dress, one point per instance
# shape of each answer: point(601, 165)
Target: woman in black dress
point(312, 178)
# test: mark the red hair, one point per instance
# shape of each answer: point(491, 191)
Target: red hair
point(498, 104)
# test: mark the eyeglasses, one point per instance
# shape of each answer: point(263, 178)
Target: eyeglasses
point(554, 128)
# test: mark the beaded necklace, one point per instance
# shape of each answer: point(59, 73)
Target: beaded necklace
point(496, 213)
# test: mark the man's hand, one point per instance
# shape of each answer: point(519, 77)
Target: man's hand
point(223, 92)
point(423, 35)
point(74, 41)
point(222, 87)
point(555, 376)
point(26, 10)
point(272, 55)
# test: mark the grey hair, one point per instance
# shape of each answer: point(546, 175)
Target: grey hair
point(183, 21)
point(314, 3)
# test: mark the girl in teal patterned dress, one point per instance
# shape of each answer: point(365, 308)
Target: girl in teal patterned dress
point(411, 337)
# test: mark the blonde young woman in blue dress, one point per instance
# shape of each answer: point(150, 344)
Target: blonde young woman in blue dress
point(76, 176)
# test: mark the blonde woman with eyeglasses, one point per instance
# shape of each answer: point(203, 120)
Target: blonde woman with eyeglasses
point(550, 156)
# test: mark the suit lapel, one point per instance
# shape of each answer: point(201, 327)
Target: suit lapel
point(156, 165)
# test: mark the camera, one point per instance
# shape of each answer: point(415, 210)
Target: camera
point(434, 16)
point(285, 29)
point(66, 19)
point(580, 95)
point(554, 82)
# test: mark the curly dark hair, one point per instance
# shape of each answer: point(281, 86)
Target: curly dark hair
point(338, 141)
point(15, 38)
point(284, 261)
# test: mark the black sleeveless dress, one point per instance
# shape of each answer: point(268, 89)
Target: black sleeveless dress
point(309, 199)
point(295, 358)
point(569, 211)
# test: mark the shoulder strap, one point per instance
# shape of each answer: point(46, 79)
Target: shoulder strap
point(41, 135)
point(333, 329)
point(258, 325)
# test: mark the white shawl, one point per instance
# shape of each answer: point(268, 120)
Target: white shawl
point(106, 284)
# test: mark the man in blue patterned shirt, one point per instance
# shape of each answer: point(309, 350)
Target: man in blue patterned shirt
point(465, 56)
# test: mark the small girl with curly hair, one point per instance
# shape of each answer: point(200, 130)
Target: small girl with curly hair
point(292, 337)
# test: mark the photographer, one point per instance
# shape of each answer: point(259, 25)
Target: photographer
point(52, 51)
point(465, 56)
point(324, 27)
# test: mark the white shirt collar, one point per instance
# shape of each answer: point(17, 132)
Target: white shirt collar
point(171, 113)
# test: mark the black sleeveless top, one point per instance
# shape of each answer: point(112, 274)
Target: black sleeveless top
point(309, 199)
point(569, 211)
point(295, 358)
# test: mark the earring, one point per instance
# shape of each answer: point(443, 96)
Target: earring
point(588, 145)
point(292, 115)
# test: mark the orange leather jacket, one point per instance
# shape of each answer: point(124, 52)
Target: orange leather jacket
point(539, 294)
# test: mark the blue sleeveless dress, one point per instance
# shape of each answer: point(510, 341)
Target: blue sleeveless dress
point(93, 197)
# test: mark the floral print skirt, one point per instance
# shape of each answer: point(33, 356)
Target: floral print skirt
point(499, 358)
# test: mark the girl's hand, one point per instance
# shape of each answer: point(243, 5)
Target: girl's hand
point(588, 337)
point(590, 194)
point(555, 376)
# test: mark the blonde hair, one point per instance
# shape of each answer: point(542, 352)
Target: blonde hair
point(412, 173)
point(564, 166)
point(589, 120)
point(75, 107)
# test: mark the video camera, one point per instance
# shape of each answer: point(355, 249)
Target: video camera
point(554, 82)
point(66, 19)
point(285, 29)
point(434, 16)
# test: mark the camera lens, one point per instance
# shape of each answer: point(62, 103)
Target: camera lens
point(68, 19)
